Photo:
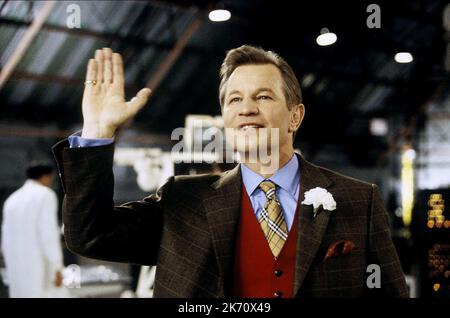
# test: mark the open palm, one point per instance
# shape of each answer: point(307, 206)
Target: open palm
point(104, 105)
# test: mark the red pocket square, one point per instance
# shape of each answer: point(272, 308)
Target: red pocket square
point(339, 248)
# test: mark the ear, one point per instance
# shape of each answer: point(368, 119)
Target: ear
point(297, 115)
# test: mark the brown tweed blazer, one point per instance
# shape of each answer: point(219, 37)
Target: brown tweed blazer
point(189, 226)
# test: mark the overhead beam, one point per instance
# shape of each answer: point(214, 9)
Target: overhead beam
point(65, 80)
point(107, 36)
point(173, 55)
point(25, 42)
point(88, 33)
point(3, 5)
point(17, 75)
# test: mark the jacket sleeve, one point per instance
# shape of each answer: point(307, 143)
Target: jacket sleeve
point(382, 251)
point(93, 226)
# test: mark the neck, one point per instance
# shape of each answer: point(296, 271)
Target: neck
point(266, 170)
point(41, 182)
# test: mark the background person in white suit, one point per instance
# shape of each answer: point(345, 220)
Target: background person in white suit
point(31, 237)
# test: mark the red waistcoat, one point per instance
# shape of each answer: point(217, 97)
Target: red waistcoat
point(256, 272)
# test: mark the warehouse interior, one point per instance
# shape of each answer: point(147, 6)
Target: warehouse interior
point(369, 114)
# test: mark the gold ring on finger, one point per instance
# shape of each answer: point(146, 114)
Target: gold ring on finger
point(90, 82)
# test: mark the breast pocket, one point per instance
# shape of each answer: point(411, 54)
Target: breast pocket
point(345, 274)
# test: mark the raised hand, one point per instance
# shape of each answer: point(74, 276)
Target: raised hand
point(104, 106)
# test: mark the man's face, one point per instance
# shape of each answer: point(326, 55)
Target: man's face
point(254, 99)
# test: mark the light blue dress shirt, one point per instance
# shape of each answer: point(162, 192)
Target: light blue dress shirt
point(76, 141)
point(288, 181)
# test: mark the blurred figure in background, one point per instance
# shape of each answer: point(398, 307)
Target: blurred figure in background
point(31, 237)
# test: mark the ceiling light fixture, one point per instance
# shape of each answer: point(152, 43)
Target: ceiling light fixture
point(219, 15)
point(403, 57)
point(326, 37)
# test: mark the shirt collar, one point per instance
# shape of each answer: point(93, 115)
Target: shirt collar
point(287, 177)
point(32, 181)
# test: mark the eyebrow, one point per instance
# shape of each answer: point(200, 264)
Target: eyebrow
point(259, 90)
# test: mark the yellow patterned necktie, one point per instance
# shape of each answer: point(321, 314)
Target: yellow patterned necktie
point(272, 219)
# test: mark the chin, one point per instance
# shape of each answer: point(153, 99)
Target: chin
point(254, 153)
point(250, 143)
point(247, 149)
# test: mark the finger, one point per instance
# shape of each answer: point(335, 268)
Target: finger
point(107, 66)
point(107, 53)
point(117, 69)
point(137, 102)
point(91, 74)
point(99, 59)
point(107, 72)
point(91, 71)
point(118, 78)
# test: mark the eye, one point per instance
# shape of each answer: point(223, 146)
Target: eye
point(234, 100)
point(264, 97)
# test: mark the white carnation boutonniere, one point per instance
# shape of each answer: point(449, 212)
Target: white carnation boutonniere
point(319, 197)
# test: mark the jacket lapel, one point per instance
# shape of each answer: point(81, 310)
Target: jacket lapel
point(222, 207)
point(310, 230)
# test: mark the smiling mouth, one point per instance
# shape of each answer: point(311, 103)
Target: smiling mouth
point(249, 126)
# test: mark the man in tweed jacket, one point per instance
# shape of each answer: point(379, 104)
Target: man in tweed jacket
point(189, 227)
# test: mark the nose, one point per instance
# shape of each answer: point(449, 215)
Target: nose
point(248, 107)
